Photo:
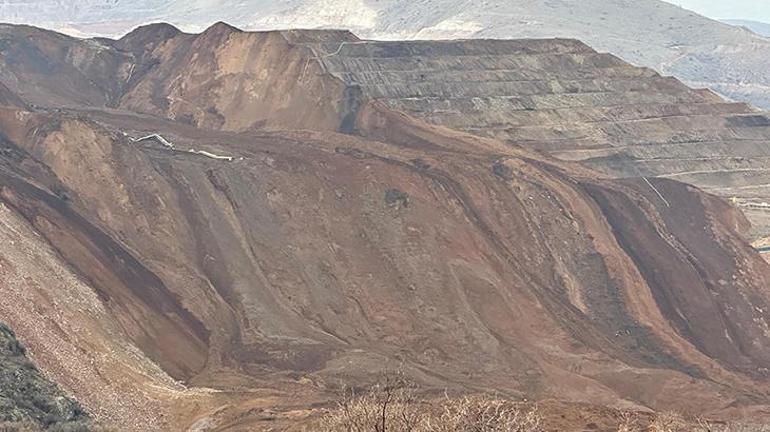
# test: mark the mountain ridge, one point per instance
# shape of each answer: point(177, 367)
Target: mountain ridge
point(698, 50)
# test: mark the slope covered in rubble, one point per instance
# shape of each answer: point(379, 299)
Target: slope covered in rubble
point(310, 209)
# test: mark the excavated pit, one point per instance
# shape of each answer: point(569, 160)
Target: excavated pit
point(563, 98)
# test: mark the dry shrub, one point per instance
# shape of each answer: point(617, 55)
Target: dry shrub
point(392, 407)
point(669, 422)
point(482, 414)
point(628, 422)
point(672, 422)
point(734, 427)
point(386, 407)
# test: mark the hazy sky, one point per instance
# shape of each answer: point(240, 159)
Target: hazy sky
point(757, 10)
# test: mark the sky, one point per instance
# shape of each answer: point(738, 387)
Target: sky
point(756, 10)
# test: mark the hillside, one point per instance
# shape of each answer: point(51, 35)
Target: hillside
point(562, 98)
point(760, 28)
point(700, 51)
point(316, 210)
point(558, 97)
point(26, 397)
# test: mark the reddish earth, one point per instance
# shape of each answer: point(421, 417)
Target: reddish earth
point(165, 288)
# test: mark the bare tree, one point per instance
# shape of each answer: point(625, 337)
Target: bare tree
point(387, 407)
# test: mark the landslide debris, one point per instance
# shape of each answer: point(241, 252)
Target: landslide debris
point(388, 230)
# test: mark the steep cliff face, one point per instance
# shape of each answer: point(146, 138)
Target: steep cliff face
point(241, 259)
point(228, 79)
point(220, 79)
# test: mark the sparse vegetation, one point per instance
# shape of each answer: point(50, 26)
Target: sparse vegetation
point(28, 401)
point(481, 413)
point(628, 422)
point(673, 422)
point(501, 170)
point(668, 422)
point(393, 407)
point(386, 407)
point(396, 198)
point(86, 426)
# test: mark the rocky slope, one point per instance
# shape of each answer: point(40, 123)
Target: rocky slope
point(560, 97)
point(700, 51)
point(565, 99)
point(25, 395)
point(237, 264)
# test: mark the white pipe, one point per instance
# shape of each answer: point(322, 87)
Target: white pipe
point(162, 140)
point(657, 192)
point(211, 155)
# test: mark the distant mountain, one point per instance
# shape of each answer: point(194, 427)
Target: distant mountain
point(731, 60)
point(757, 27)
